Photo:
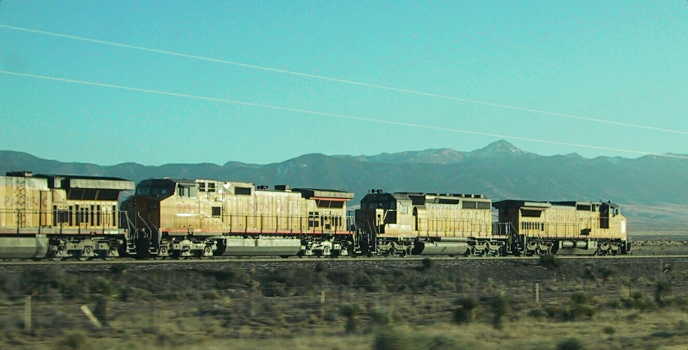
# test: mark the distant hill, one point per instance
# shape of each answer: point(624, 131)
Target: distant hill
point(500, 170)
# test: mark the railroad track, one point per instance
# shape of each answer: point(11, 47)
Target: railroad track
point(237, 260)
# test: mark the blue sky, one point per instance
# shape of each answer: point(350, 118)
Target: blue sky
point(616, 60)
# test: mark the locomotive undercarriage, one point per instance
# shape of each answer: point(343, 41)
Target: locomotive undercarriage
point(432, 246)
point(487, 247)
point(536, 246)
point(84, 248)
point(177, 246)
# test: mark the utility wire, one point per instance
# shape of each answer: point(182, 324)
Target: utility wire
point(332, 115)
point(346, 81)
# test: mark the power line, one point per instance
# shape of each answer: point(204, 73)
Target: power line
point(346, 81)
point(331, 115)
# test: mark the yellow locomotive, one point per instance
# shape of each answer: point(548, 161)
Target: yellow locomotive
point(543, 228)
point(61, 216)
point(403, 223)
point(203, 217)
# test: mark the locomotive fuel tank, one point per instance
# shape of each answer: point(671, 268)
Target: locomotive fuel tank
point(261, 247)
point(441, 248)
point(24, 247)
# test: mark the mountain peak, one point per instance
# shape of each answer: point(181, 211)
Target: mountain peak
point(500, 147)
point(426, 156)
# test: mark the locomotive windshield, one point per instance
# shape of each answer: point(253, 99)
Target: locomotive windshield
point(155, 188)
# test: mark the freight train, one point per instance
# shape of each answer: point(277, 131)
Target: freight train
point(71, 216)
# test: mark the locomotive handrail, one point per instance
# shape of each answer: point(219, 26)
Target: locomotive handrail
point(148, 226)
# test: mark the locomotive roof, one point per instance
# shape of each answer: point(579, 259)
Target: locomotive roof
point(325, 193)
point(66, 176)
point(305, 191)
point(79, 181)
point(193, 181)
point(547, 204)
point(408, 195)
point(574, 203)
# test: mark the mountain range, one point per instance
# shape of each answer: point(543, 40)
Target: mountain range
point(654, 189)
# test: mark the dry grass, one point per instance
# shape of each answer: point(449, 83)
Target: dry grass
point(604, 306)
point(160, 327)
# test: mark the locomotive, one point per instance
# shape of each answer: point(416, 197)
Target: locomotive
point(67, 216)
point(61, 216)
point(203, 217)
point(404, 223)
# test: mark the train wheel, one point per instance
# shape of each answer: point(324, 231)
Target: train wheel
point(113, 253)
point(86, 253)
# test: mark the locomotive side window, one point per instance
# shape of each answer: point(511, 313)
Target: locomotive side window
point(187, 191)
point(321, 203)
point(484, 205)
point(201, 186)
point(448, 201)
point(469, 205)
point(211, 187)
point(155, 189)
point(531, 213)
point(245, 191)
point(313, 217)
point(216, 212)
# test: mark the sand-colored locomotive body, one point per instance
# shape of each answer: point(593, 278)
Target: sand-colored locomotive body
point(209, 217)
point(565, 227)
point(427, 223)
point(60, 216)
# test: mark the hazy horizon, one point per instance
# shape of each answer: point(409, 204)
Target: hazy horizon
point(325, 154)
